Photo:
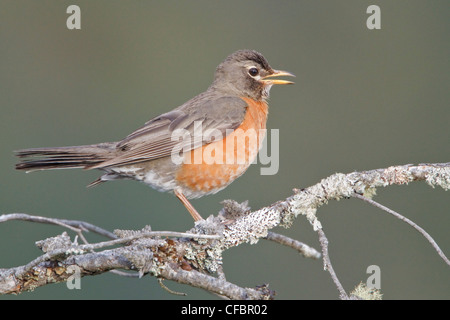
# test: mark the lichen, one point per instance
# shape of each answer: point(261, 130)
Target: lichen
point(362, 291)
point(439, 176)
point(59, 242)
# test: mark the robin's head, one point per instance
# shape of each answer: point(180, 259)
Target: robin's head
point(246, 73)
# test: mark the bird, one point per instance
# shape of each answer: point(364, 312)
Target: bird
point(168, 153)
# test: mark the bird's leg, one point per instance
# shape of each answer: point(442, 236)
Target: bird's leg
point(188, 205)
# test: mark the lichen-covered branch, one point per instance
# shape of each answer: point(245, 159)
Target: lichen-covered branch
point(249, 227)
point(195, 257)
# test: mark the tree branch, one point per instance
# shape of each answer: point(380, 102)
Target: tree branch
point(195, 257)
point(408, 221)
point(81, 225)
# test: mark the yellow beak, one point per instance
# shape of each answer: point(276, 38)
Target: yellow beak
point(278, 73)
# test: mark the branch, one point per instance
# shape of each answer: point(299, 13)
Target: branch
point(303, 249)
point(408, 221)
point(327, 265)
point(195, 257)
point(81, 225)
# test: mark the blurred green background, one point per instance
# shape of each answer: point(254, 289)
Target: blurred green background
point(363, 99)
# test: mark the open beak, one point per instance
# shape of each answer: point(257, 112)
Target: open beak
point(277, 73)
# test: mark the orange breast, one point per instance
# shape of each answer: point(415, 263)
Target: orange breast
point(213, 166)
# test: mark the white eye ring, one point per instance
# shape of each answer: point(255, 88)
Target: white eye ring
point(253, 72)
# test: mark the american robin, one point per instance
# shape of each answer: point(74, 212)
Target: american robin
point(231, 108)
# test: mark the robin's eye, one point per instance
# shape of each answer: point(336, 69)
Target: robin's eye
point(253, 72)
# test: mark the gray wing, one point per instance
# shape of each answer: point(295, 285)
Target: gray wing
point(177, 130)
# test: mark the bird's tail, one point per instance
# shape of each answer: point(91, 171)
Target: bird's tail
point(64, 157)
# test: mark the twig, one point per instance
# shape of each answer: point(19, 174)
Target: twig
point(81, 225)
point(304, 249)
point(59, 222)
point(74, 225)
point(91, 247)
point(327, 265)
point(125, 274)
point(408, 221)
point(160, 281)
point(88, 247)
point(212, 284)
